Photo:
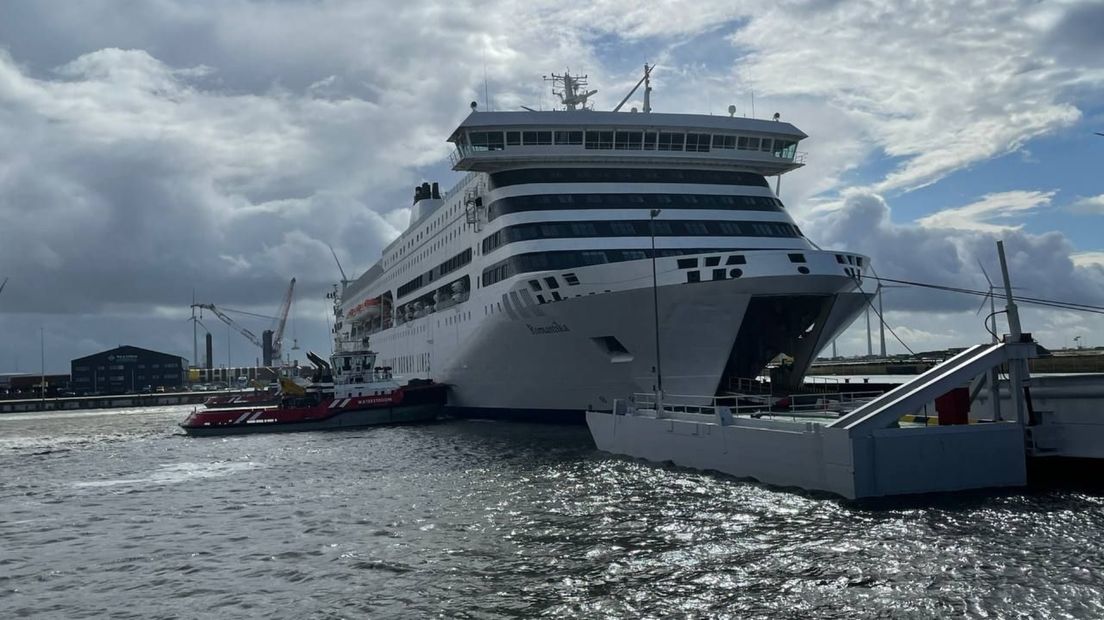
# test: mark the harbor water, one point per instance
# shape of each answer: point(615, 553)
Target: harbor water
point(117, 514)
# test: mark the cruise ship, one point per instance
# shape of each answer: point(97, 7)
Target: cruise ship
point(587, 255)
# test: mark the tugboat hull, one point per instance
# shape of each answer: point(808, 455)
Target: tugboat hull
point(404, 406)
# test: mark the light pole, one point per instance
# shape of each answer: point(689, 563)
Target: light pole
point(655, 302)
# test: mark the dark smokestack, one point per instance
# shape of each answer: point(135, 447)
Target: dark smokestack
point(210, 357)
point(266, 347)
point(436, 191)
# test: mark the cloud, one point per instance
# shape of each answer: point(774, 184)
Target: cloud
point(1090, 204)
point(998, 206)
point(1040, 264)
point(1086, 259)
point(937, 88)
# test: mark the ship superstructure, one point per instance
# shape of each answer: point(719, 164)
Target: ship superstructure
point(589, 253)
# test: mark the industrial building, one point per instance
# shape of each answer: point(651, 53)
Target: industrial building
point(127, 369)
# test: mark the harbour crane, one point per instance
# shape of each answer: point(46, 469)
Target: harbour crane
point(271, 341)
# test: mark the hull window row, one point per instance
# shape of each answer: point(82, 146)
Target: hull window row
point(626, 140)
point(550, 202)
point(543, 261)
point(444, 268)
point(624, 175)
point(637, 228)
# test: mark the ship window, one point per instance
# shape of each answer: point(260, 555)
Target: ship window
point(594, 258)
point(584, 229)
point(571, 279)
point(487, 141)
point(535, 285)
point(537, 138)
point(693, 276)
point(712, 261)
point(556, 296)
point(625, 175)
point(718, 274)
point(697, 142)
point(551, 282)
point(628, 141)
point(753, 144)
point(742, 143)
point(602, 140)
point(797, 258)
point(513, 138)
point(765, 145)
point(622, 228)
point(687, 263)
point(649, 140)
point(696, 228)
point(670, 141)
point(569, 137)
point(724, 142)
point(736, 260)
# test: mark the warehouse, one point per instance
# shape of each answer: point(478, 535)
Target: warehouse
point(127, 369)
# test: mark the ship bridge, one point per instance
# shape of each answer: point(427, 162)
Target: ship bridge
point(490, 141)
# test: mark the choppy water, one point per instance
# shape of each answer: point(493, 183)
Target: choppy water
point(116, 515)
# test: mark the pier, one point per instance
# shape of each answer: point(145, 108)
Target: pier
point(108, 402)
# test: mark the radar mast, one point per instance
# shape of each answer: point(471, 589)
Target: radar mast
point(572, 90)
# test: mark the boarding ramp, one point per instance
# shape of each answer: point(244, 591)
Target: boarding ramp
point(908, 397)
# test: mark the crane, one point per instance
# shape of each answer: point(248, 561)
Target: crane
point(281, 321)
point(274, 350)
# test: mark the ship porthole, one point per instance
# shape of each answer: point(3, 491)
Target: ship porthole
point(735, 273)
point(803, 269)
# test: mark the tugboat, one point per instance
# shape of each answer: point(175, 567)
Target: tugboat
point(361, 394)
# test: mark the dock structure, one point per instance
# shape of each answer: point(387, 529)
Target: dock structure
point(865, 452)
point(874, 446)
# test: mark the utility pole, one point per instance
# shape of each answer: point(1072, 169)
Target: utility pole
point(655, 308)
point(42, 377)
point(869, 338)
point(195, 342)
point(881, 320)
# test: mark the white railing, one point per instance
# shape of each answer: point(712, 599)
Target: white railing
point(793, 406)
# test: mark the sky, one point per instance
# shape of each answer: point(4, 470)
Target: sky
point(151, 148)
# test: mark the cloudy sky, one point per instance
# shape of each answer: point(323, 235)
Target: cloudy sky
point(151, 147)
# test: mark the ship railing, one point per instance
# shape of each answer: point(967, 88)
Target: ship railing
point(721, 409)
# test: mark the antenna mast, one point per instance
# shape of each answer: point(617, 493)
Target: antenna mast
point(572, 93)
point(647, 82)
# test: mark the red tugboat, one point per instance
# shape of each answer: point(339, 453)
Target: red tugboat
point(360, 395)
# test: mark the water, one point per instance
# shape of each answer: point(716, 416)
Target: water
point(114, 514)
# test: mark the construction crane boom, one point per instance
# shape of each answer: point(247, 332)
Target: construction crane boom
point(273, 338)
point(281, 321)
point(229, 321)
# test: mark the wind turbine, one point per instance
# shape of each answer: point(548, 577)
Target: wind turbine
point(3, 284)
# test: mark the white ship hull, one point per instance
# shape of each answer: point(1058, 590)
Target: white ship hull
point(555, 357)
